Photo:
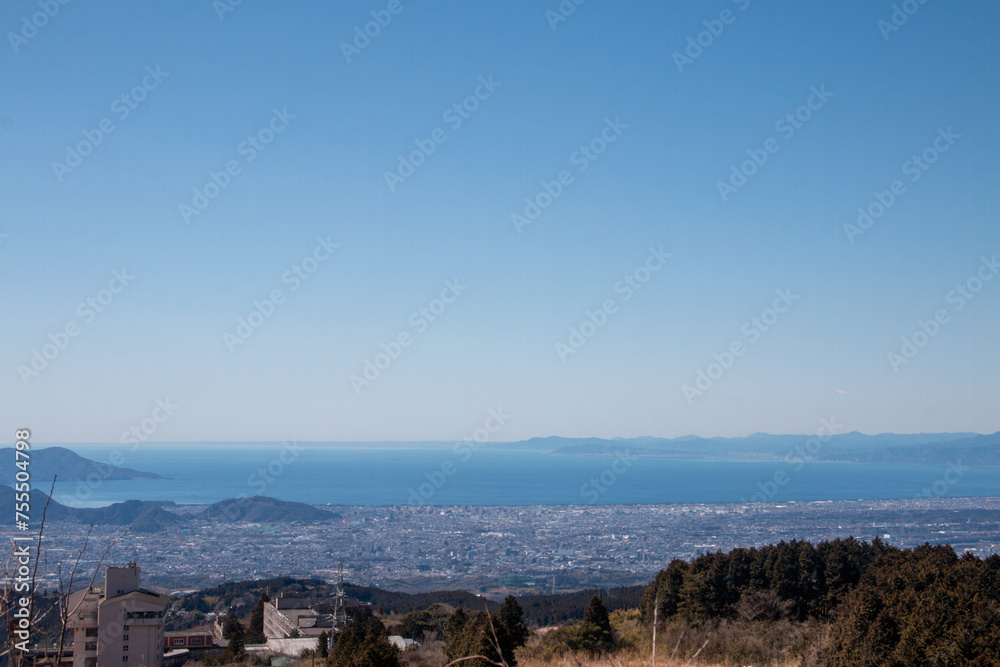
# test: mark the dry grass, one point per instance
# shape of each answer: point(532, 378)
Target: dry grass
point(717, 644)
point(633, 660)
point(565, 661)
point(428, 654)
point(301, 662)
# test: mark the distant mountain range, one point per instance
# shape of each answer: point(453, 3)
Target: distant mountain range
point(150, 516)
point(70, 466)
point(978, 450)
point(922, 448)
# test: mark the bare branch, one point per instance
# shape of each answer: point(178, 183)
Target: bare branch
point(677, 646)
point(67, 612)
point(496, 640)
point(72, 574)
point(103, 555)
point(474, 657)
point(41, 531)
point(65, 592)
point(696, 653)
point(34, 570)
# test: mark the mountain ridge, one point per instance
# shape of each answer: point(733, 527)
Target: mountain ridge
point(852, 447)
point(47, 462)
point(147, 516)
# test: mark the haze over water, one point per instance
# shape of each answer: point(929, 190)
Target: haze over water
point(388, 473)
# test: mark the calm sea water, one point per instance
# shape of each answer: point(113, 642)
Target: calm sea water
point(436, 474)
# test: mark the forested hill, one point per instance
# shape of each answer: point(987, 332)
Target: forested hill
point(842, 602)
point(539, 610)
point(70, 466)
point(883, 605)
point(262, 509)
point(148, 516)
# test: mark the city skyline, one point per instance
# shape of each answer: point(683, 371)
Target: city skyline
point(378, 223)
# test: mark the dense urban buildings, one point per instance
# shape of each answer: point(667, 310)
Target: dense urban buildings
point(516, 548)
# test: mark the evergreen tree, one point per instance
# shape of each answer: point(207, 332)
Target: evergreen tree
point(456, 623)
point(232, 626)
point(474, 638)
point(512, 632)
point(417, 625)
point(597, 615)
point(666, 587)
point(482, 633)
point(233, 631)
point(255, 631)
point(693, 599)
point(924, 606)
point(363, 643)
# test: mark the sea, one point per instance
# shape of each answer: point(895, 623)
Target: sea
point(441, 474)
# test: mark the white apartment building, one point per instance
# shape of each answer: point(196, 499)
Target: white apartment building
point(120, 625)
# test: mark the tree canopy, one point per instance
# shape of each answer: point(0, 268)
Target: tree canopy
point(363, 643)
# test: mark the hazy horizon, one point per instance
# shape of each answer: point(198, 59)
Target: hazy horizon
point(445, 441)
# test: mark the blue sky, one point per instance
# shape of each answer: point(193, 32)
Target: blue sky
point(168, 333)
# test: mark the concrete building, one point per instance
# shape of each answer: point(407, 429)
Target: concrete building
point(120, 625)
point(187, 639)
point(292, 618)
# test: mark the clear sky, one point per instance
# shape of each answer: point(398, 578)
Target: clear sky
point(310, 115)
